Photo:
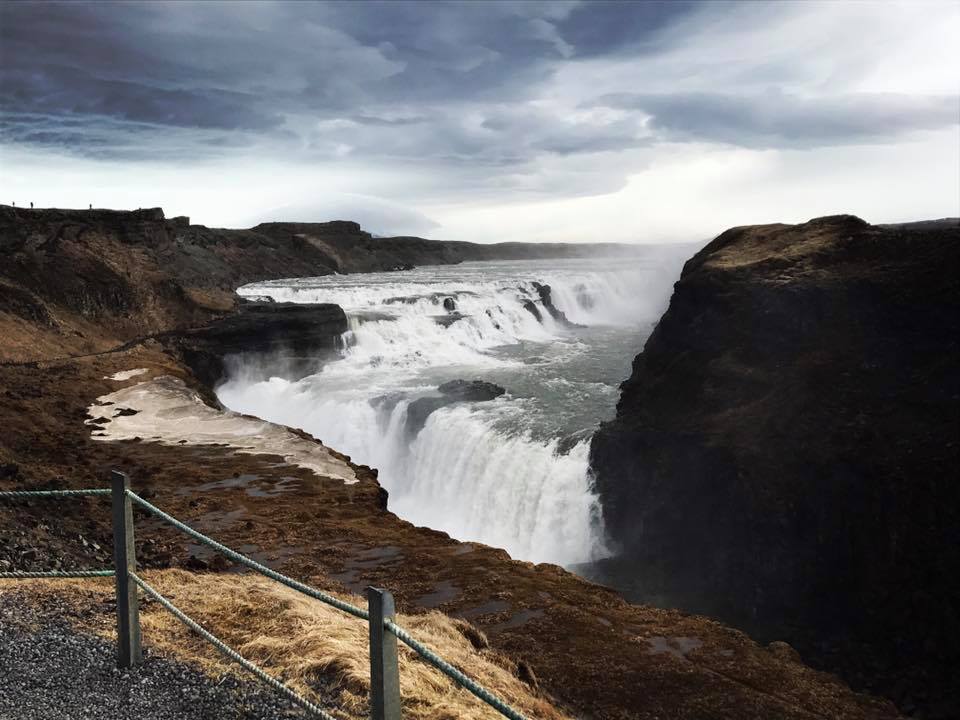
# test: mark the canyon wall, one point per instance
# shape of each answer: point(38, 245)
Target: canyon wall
point(785, 450)
point(122, 275)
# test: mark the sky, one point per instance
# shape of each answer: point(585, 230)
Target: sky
point(486, 121)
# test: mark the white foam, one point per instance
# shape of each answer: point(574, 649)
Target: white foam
point(458, 474)
point(475, 471)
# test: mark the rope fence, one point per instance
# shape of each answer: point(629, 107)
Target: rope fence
point(53, 493)
point(249, 562)
point(385, 701)
point(228, 651)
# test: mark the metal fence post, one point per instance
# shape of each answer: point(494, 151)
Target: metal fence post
point(384, 667)
point(129, 652)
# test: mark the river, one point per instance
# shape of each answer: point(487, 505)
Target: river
point(511, 472)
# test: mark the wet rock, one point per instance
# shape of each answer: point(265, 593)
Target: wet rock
point(387, 402)
point(546, 300)
point(531, 307)
point(286, 339)
point(471, 390)
point(448, 320)
point(449, 393)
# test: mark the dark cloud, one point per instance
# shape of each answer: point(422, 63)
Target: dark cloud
point(603, 27)
point(54, 90)
point(467, 86)
point(269, 68)
point(103, 138)
point(776, 119)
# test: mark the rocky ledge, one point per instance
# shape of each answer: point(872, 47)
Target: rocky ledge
point(785, 451)
point(283, 338)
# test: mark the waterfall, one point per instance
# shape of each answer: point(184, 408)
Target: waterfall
point(510, 472)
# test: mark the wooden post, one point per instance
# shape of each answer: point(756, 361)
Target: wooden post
point(129, 652)
point(384, 667)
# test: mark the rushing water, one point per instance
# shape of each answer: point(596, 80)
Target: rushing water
point(510, 472)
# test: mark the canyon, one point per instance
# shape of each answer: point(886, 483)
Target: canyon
point(88, 296)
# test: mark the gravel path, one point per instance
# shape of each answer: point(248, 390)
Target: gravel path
point(52, 671)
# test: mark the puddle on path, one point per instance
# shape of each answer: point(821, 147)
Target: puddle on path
point(443, 592)
point(489, 608)
point(351, 577)
point(516, 620)
point(252, 484)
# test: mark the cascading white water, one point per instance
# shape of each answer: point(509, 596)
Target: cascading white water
point(510, 472)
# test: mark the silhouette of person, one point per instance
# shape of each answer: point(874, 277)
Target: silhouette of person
point(31, 205)
point(91, 206)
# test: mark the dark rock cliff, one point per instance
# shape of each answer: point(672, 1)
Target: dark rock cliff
point(287, 339)
point(785, 451)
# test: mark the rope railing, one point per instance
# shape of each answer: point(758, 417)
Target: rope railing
point(450, 671)
point(249, 562)
point(54, 493)
point(384, 667)
point(23, 575)
point(291, 695)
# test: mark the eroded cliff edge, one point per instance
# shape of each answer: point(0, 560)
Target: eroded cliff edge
point(785, 451)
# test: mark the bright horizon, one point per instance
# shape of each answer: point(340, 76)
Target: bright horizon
point(487, 122)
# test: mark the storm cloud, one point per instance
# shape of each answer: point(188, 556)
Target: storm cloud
point(775, 119)
point(436, 104)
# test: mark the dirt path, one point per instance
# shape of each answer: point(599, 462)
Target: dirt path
point(50, 670)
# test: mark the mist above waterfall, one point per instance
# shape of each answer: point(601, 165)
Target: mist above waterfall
point(512, 471)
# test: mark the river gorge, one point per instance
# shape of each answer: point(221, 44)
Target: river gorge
point(510, 471)
point(479, 434)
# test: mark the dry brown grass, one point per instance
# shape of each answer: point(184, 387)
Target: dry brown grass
point(317, 650)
